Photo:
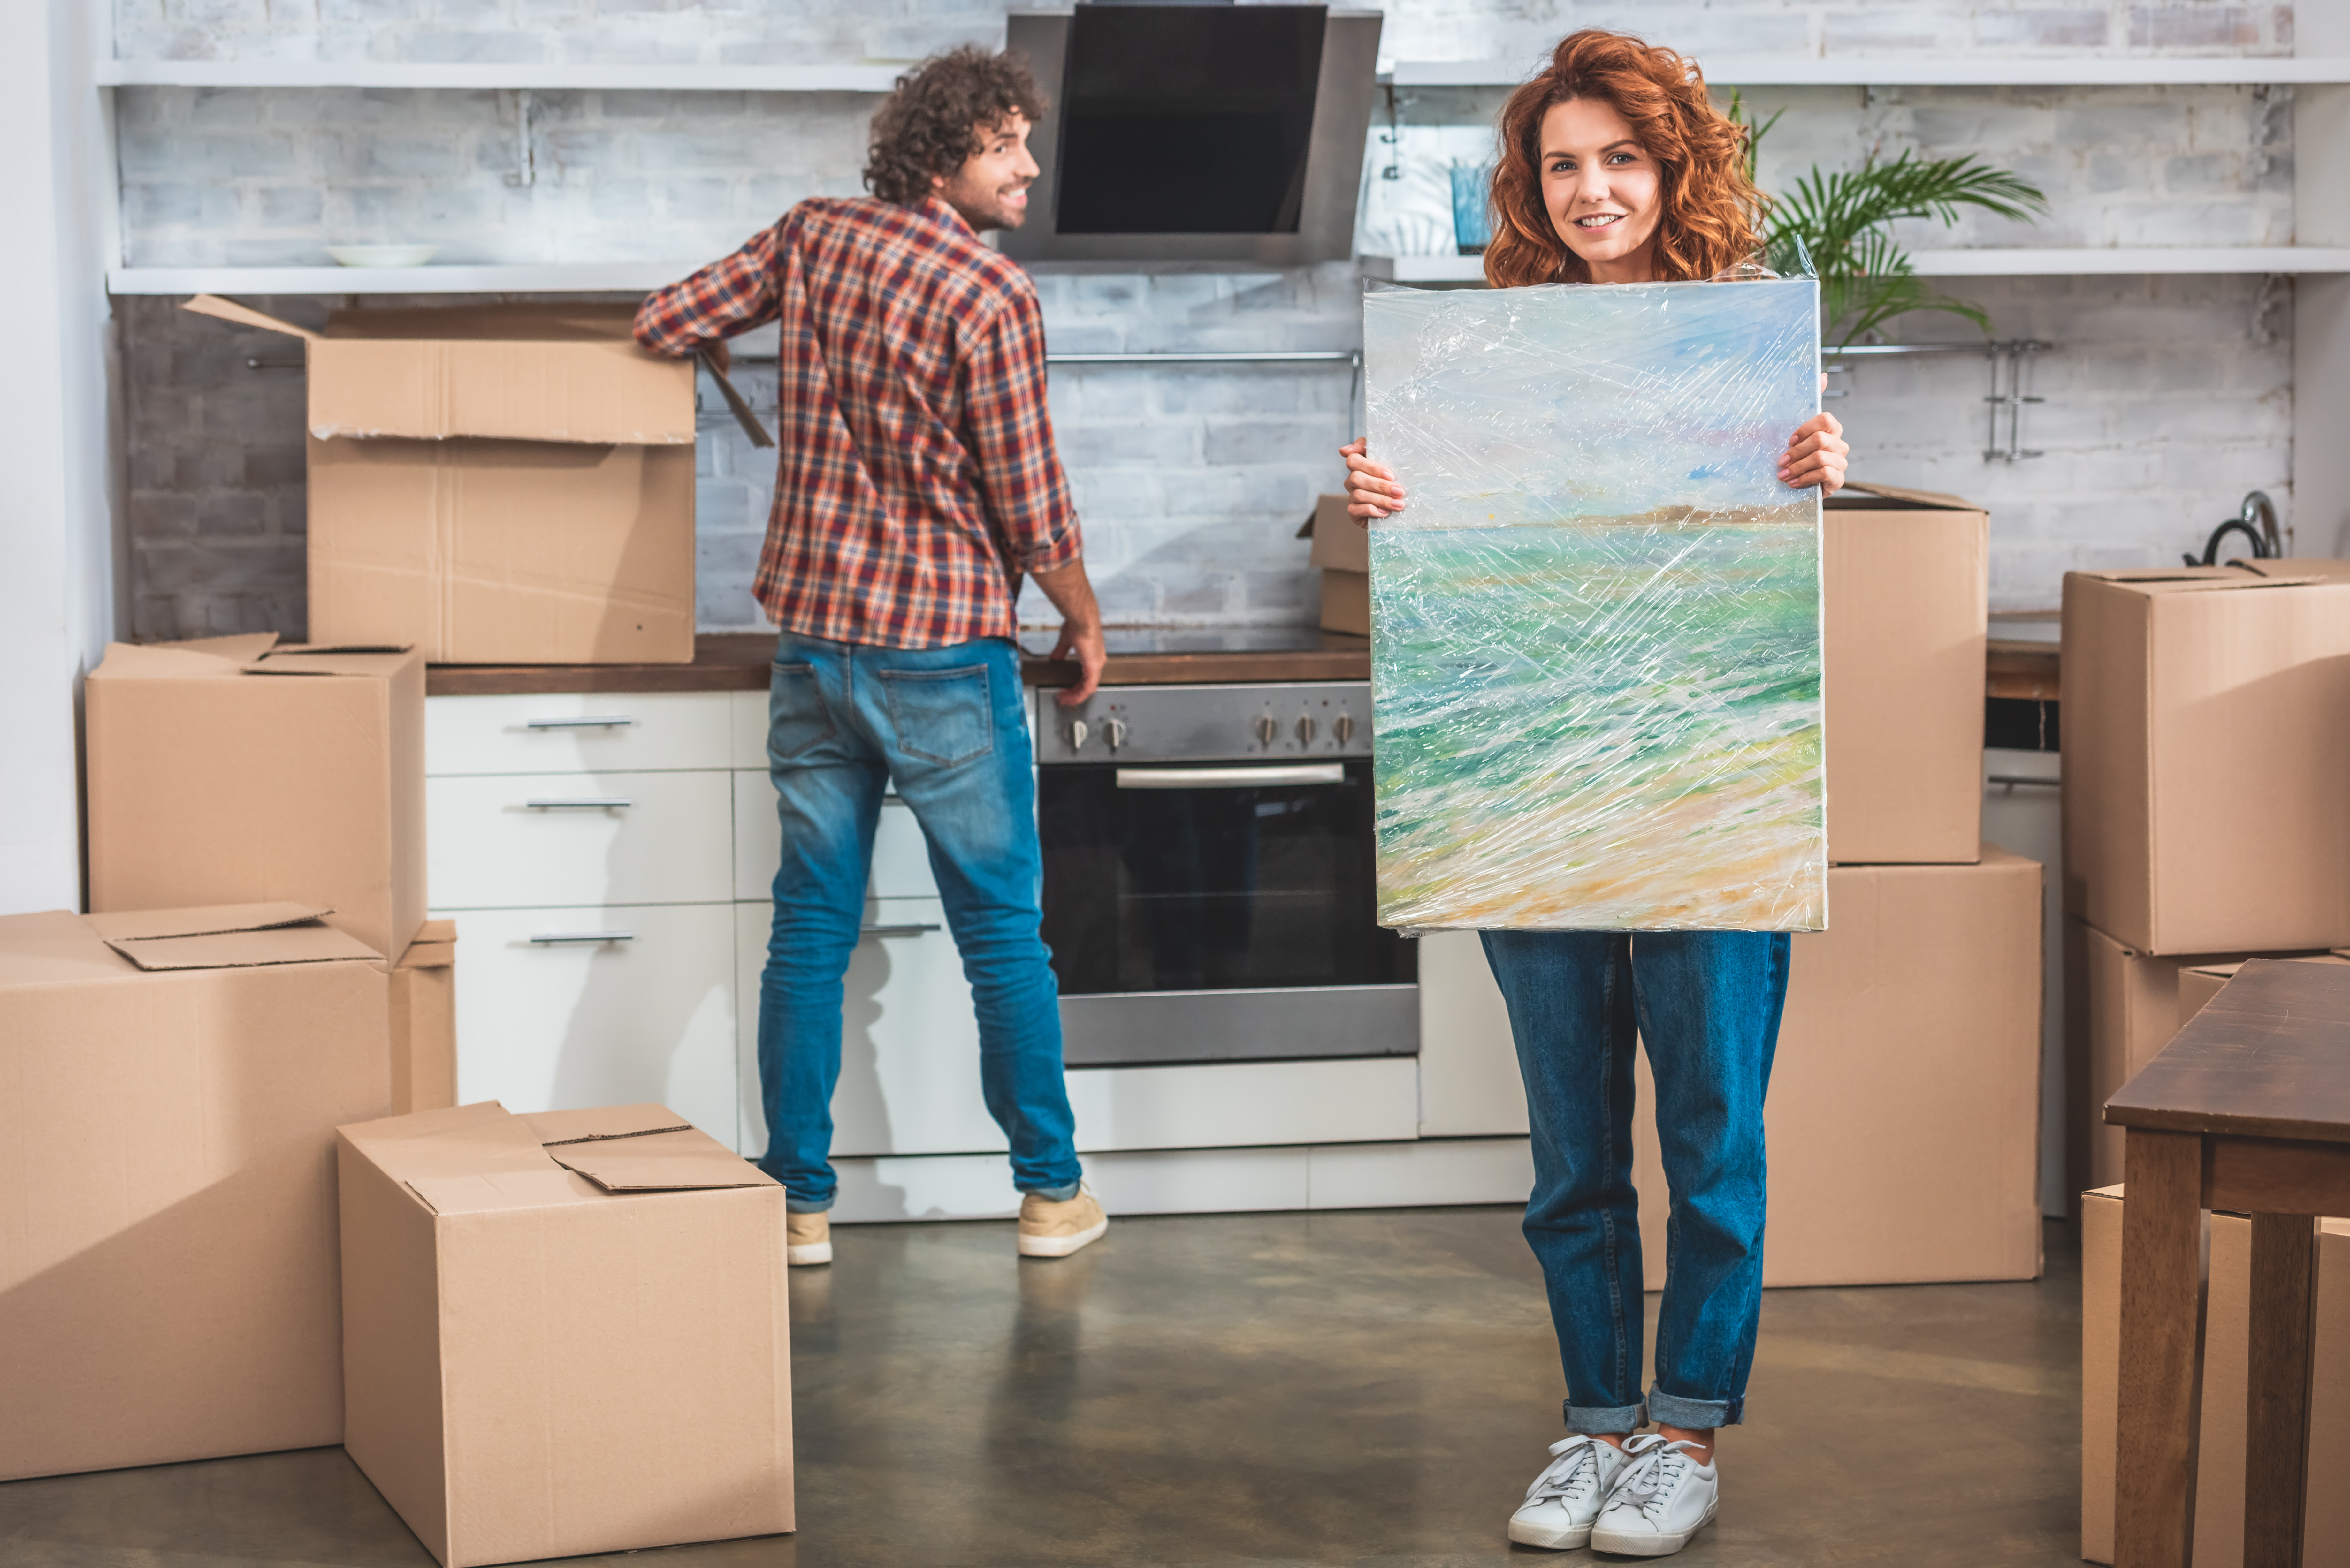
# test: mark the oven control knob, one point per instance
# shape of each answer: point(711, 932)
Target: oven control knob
point(1114, 731)
point(1077, 733)
point(1343, 727)
point(1306, 732)
point(1267, 727)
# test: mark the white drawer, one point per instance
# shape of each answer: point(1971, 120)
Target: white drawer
point(565, 1025)
point(1225, 1105)
point(901, 855)
point(747, 722)
point(554, 733)
point(490, 847)
point(909, 1043)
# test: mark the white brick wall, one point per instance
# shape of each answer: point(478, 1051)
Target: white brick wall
point(2167, 399)
point(739, 32)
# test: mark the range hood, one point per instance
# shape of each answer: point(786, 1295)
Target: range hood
point(1196, 132)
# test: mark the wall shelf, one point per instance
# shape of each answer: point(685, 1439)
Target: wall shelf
point(2005, 261)
point(869, 77)
point(578, 277)
point(1954, 70)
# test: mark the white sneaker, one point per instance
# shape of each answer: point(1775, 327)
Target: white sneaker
point(1661, 1499)
point(1566, 1497)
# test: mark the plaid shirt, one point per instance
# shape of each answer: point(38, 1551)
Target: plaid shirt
point(917, 478)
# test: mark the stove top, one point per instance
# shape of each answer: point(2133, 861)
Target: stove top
point(1151, 640)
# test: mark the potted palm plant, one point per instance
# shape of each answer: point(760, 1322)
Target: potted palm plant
point(1844, 220)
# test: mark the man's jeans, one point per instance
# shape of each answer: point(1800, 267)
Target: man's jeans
point(945, 724)
point(1707, 1005)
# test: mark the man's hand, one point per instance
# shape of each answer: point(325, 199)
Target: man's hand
point(1081, 628)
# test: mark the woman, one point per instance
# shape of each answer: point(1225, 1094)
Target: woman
point(1615, 166)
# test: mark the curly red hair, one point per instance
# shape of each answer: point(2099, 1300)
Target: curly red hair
point(1711, 209)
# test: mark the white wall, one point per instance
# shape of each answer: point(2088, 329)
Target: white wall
point(56, 540)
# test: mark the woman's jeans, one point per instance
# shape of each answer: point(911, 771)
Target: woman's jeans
point(945, 724)
point(1707, 1004)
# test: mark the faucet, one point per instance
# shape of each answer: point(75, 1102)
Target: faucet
point(2256, 522)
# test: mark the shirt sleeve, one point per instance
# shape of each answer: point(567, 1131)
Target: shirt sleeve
point(1011, 433)
point(723, 298)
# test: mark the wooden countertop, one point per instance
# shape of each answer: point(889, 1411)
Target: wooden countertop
point(737, 661)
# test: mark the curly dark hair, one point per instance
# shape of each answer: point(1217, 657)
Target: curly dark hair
point(929, 125)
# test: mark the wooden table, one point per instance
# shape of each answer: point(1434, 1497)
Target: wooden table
point(2248, 1109)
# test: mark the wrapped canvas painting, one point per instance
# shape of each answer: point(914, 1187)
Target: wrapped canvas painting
point(1596, 628)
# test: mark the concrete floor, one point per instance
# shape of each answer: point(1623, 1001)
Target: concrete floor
point(1370, 1388)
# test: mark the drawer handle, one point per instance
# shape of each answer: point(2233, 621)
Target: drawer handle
point(552, 938)
point(585, 722)
point(894, 930)
point(583, 803)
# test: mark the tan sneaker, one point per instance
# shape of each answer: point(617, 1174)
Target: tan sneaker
point(1050, 1230)
point(807, 1238)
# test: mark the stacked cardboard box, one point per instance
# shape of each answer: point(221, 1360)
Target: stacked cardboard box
point(169, 1284)
point(2204, 749)
point(497, 483)
point(564, 1333)
point(2223, 1416)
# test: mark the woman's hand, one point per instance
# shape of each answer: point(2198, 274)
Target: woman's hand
point(1816, 455)
point(1371, 487)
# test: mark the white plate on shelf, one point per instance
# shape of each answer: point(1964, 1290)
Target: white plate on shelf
point(382, 255)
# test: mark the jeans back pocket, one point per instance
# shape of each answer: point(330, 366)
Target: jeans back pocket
point(942, 716)
point(797, 718)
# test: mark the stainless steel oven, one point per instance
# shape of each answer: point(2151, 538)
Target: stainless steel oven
point(1208, 881)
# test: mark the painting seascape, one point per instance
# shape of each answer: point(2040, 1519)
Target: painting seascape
point(1596, 674)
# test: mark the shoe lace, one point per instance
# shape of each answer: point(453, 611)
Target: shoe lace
point(1573, 1473)
point(1652, 1472)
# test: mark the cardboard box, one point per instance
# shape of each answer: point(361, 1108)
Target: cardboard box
point(1342, 549)
point(170, 1085)
point(2194, 696)
point(564, 1333)
point(497, 483)
point(2223, 1418)
point(1904, 1112)
point(235, 770)
point(2123, 1007)
point(424, 1022)
point(1906, 583)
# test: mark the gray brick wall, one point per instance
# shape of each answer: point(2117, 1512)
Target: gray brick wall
point(742, 32)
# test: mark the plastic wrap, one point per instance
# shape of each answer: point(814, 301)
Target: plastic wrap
point(1596, 627)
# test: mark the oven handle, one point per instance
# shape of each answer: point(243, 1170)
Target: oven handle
point(1231, 778)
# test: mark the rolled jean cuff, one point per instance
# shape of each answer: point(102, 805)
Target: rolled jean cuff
point(1054, 1194)
point(1695, 1415)
point(1605, 1420)
point(805, 1205)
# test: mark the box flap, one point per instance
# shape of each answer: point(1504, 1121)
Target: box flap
point(681, 1161)
point(434, 946)
point(381, 662)
point(206, 920)
point(2321, 566)
point(482, 1138)
point(245, 316)
point(552, 321)
point(490, 1191)
point(203, 660)
point(599, 1122)
point(1933, 498)
point(246, 950)
point(2192, 579)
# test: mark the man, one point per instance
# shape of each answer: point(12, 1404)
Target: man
point(917, 484)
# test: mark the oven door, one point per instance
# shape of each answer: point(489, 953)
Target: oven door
point(1220, 911)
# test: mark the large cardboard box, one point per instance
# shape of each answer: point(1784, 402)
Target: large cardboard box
point(2123, 1007)
point(424, 1022)
point(564, 1333)
point(1905, 581)
point(497, 483)
point(1904, 1112)
point(1342, 549)
point(170, 1085)
point(2194, 696)
point(235, 770)
point(2223, 1419)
